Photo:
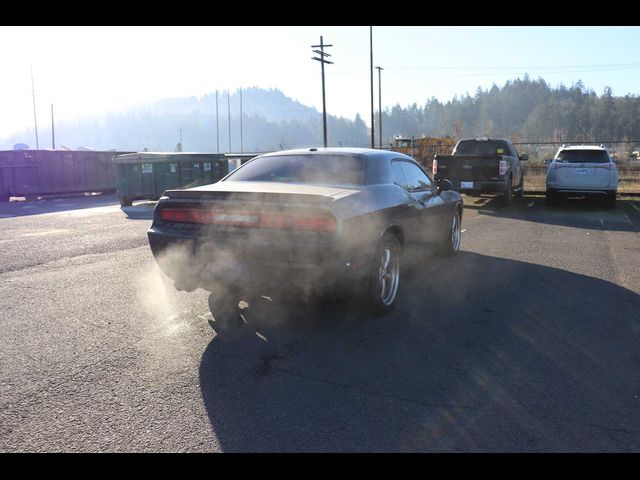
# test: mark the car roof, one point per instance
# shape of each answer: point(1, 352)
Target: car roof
point(369, 153)
point(321, 150)
point(582, 147)
point(485, 139)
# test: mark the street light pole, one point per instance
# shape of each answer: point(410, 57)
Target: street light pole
point(217, 126)
point(373, 141)
point(379, 107)
point(322, 61)
point(229, 117)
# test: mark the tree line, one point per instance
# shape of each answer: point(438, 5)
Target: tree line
point(524, 110)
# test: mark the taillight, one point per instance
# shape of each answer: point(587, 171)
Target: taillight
point(173, 215)
point(502, 167)
point(297, 222)
point(287, 221)
point(435, 167)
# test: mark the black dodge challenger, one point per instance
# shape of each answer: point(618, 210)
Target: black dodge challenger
point(308, 219)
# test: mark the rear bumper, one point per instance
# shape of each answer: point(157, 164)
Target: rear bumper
point(204, 263)
point(491, 186)
point(595, 192)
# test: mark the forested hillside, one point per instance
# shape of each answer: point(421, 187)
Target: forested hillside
point(522, 109)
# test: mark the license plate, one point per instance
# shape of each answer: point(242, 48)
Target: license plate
point(466, 184)
point(582, 171)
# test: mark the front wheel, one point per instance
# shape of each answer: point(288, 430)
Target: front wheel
point(384, 277)
point(451, 245)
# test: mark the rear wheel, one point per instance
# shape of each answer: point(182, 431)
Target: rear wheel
point(451, 246)
point(610, 200)
point(225, 311)
point(551, 198)
point(384, 277)
point(507, 194)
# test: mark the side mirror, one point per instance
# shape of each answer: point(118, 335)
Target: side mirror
point(524, 157)
point(548, 161)
point(444, 184)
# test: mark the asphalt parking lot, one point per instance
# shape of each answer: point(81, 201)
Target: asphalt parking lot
point(528, 340)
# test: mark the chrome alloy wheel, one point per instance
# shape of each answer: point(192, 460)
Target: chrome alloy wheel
point(456, 234)
point(388, 275)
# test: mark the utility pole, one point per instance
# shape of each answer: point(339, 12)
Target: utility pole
point(379, 107)
point(53, 131)
point(217, 126)
point(35, 118)
point(240, 119)
point(322, 61)
point(229, 117)
point(373, 141)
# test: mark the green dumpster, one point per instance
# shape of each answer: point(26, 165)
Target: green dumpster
point(146, 175)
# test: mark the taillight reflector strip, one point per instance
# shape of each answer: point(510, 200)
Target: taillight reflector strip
point(249, 219)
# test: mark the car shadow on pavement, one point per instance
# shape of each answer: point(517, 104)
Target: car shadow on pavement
point(481, 354)
point(140, 211)
point(586, 213)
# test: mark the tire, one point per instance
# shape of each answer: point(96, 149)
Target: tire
point(5, 197)
point(551, 198)
point(520, 191)
point(125, 201)
point(610, 200)
point(451, 245)
point(384, 277)
point(225, 311)
point(507, 194)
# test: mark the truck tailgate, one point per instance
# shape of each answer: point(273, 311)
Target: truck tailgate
point(472, 168)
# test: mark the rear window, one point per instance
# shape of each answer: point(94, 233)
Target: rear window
point(475, 147)
point(333, 170)
point(583, 156)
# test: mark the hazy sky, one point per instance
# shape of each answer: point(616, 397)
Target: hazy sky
point(87, 70)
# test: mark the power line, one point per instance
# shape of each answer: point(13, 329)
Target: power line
point(507, 67)
point(512, 71)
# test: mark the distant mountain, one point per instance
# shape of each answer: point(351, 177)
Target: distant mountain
point(270, 121)
point(522, 109)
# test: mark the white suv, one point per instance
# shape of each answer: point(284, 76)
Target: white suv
point(582, 170)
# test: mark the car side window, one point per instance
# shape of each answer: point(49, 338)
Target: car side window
point(397, 176)
point(417, 179)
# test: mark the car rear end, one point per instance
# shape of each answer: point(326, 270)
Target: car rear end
point(472, 173)
point(477, 165)
point(582, 171)
point(269, 222)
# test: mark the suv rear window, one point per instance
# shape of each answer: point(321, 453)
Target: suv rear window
point(583, 156)
point(316, 169)
point(480, 147)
